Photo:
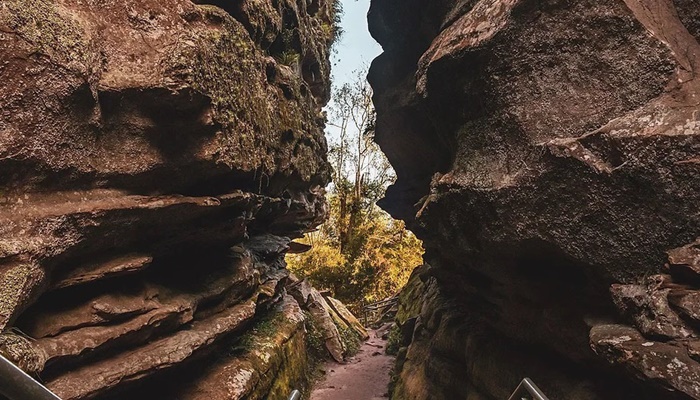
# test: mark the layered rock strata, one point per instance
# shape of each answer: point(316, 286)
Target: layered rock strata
point(547, 155)
point(156, 157)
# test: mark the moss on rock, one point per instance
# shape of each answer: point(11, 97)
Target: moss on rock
point(268, 361)
point(254, 102)
point(220, 61)
point(351, 340)
point(393, 344)
point(53, 31)
point(18, 349)
point(410, 298)
point(315, 342)
point(16, 283)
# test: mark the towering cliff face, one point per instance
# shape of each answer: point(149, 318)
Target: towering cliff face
point(155, 158)
point(547, 153)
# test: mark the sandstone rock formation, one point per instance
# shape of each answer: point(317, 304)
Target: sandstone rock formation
point(156, 157)
point(347, 318)
point(323, 317)
point(548, 154)
point(338, 328)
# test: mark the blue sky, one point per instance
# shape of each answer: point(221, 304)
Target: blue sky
point(355, 50)
point(356, 46)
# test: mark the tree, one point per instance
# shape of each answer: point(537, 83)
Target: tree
point(361, 172)
point(360, 253)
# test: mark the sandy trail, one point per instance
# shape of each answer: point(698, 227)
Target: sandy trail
point(363, 377)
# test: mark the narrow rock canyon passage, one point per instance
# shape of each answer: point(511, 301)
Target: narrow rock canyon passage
point(191, 209)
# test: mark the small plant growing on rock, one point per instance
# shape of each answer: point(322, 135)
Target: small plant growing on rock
point(351, 342)
point(315, 343)
point(393, 344)
point(335, 31)
point(289, 58)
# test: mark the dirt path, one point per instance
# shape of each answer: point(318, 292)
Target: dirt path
point(364, 377)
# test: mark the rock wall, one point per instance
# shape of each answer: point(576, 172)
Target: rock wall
point(547, 154)
point(156, 157)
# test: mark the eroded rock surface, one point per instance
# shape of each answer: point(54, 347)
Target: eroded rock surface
point(547, 154)
point(156, 157)
point(322, 316)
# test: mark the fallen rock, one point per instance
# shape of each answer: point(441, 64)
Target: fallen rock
point(684, 262)
point(648, 307)
point(667, 364)
point(312, 301)
point(348, 317)
point(686, 303)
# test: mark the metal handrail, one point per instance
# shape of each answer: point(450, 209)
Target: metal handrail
point(525, 388)
point(15, 384)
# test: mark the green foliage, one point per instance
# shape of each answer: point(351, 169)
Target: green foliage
point(334, 30)
point(374, 264)
point(360, 254)
point(351, 340)
point(289, 58)
point(394, 342)
point(315, 344)
point(324, 264)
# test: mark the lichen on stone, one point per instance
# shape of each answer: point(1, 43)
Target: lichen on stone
point(219, 60)
point(18, 349)
point(16, 283)
point(54, 32)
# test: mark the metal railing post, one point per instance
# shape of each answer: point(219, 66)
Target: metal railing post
point(15, 384)
point(527, 387)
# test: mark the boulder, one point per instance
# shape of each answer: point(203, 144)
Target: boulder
point(347, 317)
point(157, 158)
point(313, 302)
point(669, 364)
point(546, 153)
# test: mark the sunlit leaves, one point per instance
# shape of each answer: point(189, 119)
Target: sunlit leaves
point(360, 253)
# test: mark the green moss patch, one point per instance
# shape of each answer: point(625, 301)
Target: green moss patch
point(52, 30)
point(271, 358)
point(220, 61)
point(394, 342)
point(315, 342)
point(351, 340)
